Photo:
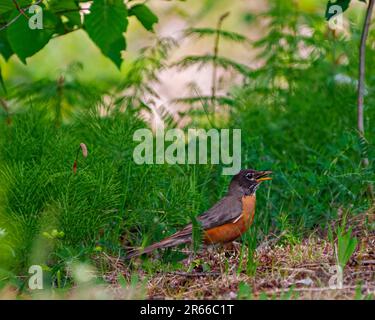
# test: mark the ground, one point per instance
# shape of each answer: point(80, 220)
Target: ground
point(278, 270)
point(305, 270)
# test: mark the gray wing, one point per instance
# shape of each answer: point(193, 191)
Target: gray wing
point(228, 209)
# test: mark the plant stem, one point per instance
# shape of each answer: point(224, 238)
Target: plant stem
point(4, 104)
point(59, 91)
point(19, 9)
point(361, 83)
point(361, 76)
point(216, 52)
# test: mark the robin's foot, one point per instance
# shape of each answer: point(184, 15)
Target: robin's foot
point(232, 246)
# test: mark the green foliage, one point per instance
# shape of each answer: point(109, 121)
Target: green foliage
point(249, 246)
point(136, 88)
point(68, 9)
point(224, 100)
point(5, 48)
point(244, 291)
point(215, 60)
point(223, 62)
point(63, 96)
point(108, 197)
point(346, 246)
point(8, 6)
point(2, 83)
point(225, 34)
point(299, 122)
point(24, 41)
point(106, 22)
point(197, 233)
point(145, 16)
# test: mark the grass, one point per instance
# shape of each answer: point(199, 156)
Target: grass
point(108, 199)
point(111, 203)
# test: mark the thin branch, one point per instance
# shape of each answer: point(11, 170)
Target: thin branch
point(361, 80)
point(195, 274)
point(10, 22)
point(361, 87)
point(19, 9)
point(315, 289)
point(4, 104)
point(72, 10)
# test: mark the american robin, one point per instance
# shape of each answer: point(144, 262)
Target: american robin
point(227, 220)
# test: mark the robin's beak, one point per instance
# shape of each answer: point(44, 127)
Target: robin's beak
point(263, 176)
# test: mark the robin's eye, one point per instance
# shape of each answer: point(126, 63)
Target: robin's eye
point(249, 176)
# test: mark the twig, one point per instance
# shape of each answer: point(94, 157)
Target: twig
point(71, 10)
point(361, 81)
point(204, 108)
point(296, 270)
point(285, 290)
point(59, 91)
point(5, 106)
point(10, 22)
point(21, 12)
point(196, 274)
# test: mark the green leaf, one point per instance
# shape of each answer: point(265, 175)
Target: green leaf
point(244, 291)
point(121, 280)
point(68, 9)
point(344, 4)
point(114, 52)
point(8, 5)
point(346, 246)
point(24, 41)
point(105, 24)
point(5, 49)
point(74, 19)
point(145, 16)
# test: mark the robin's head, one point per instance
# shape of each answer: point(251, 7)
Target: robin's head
point(248, 180)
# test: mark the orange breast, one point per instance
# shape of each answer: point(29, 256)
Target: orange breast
point(231, 231)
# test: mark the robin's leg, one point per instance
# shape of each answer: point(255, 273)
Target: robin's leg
point(233, 246)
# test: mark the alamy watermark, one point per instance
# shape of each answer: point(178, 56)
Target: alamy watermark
point(336, 20)
point(36, 278)
point(36, 20)
point(189, 147)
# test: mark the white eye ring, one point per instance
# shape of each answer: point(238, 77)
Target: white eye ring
point(249, 176)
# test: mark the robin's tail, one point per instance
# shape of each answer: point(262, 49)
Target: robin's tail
point(172, 241)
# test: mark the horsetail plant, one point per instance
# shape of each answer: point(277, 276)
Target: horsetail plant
point(216, 61)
